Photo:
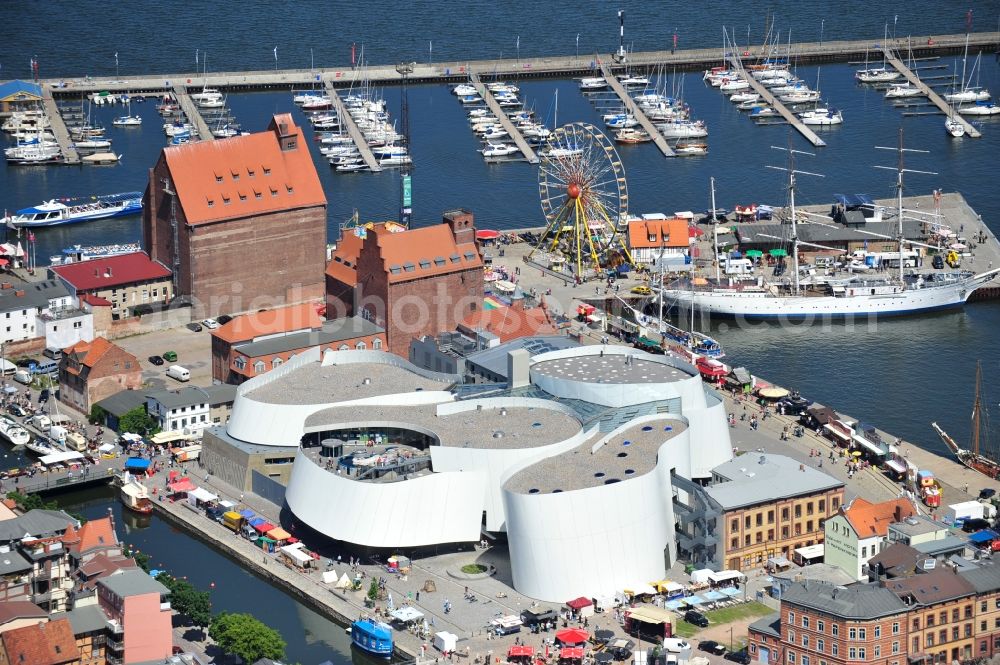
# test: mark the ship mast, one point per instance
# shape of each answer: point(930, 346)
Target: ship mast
point(900, 170)
point(791, 193)
point(977, 407)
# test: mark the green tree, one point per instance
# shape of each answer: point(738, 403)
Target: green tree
point(188, 600)
point(373, 591)
point(244, 636)
point(141, 558)
point(138, 421)
point(97, 415)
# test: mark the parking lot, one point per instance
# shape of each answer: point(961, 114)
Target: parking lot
point(193, 349)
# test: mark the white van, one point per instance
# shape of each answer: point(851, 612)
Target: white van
point(739, 266)
point(179, 373)
point(22, 376)
point(41, 422)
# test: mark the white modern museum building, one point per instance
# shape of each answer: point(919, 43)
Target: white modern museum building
point(576, 460)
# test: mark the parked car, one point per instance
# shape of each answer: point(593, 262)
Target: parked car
point(696, 618)
point(742, 657)
point(987, 493)
point(712, 647)
point(970, 526)
point(938, 262)
point(194, 327)
point(641, 290)
point(170, 356)
point(223, 319)
point(16, 410)
point(43, 396)
point(211, 324)
point(156, 360)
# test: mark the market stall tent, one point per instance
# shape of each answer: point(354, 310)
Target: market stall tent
point(584, 607)
point(445, 641)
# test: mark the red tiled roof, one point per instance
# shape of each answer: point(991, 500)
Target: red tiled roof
point(102, 565)
point(269, 322)
point(95, 301)
point(873, 519)
point(97, 533)
point(11, 610)
point(112, 271)
point(425, 252)
point(244, 175)
point(91, 352)
point(49, 643)
point(656, 233)
point(344, 264)
point(510, 322)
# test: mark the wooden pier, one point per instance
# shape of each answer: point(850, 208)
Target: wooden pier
point(765, 94)
point(514, 132)
point(192, 113)
point(347, 120)
point(638, 113)
point(929, 93)
point(66, 145)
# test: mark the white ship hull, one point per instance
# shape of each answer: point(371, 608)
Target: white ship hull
point(758, 304)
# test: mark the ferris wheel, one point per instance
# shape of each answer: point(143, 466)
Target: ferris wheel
point(584, 197)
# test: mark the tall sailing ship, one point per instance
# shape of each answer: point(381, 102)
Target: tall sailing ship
point(981, 460)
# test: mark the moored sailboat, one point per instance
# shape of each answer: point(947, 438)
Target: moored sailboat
point(973, 457)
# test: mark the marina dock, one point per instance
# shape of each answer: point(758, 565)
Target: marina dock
point(505, 122)
point(638, 113)
point(66, 145)
point(765, 94)
point(929, 92)
point(191, 112)
point(524, 68)
point(347, 120)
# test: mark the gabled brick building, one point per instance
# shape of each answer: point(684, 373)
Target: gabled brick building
point(51, 643)
point(410, 283)
point(91, 371)
point(241, 222)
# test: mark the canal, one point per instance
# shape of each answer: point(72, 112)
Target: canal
point(311, 637)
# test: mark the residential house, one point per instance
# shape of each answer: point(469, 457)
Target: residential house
point(43, 643)
point(192, 408)
point(42, 309)
point(20, 613)
point(824, 624)
point(95, 537)
point(858, 531)
point(242, 222)
point(654, 236)
point(126, 281)
point(941, 613)
point(141, 617)
point(31, 567)
point(91, 371)
point(91, 632)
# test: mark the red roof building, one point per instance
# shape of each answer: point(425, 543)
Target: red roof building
point(246, 328)
point(509, 323)
point(51, 643)
point(91, 371)
point(648, 239)
point(250, 219)
point(123, 281)
point(411, 283)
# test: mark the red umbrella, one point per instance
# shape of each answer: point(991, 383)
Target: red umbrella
point(572, 636)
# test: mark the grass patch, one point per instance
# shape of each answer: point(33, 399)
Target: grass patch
point(722, 616)
point(473, 568)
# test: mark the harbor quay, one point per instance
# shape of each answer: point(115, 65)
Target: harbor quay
point(541, 67)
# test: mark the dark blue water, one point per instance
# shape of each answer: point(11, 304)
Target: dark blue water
point(900, 375)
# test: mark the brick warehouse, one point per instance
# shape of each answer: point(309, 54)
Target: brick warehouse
point(241, 222)
point(410, 283)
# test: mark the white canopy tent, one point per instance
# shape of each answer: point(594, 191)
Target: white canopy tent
point(295, 552)
point(344, 582)
point(406, 614)
point(329, 576)
point(60, 457)
point(201, 494)
point(445, 641)
point(725, 576)
point(701, 576)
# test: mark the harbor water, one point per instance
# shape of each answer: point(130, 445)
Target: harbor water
point(311, 637)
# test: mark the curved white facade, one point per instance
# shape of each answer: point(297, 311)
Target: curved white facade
point(598, 540)
point(579, 536)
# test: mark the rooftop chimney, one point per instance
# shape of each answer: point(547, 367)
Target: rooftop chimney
point(462, 223)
